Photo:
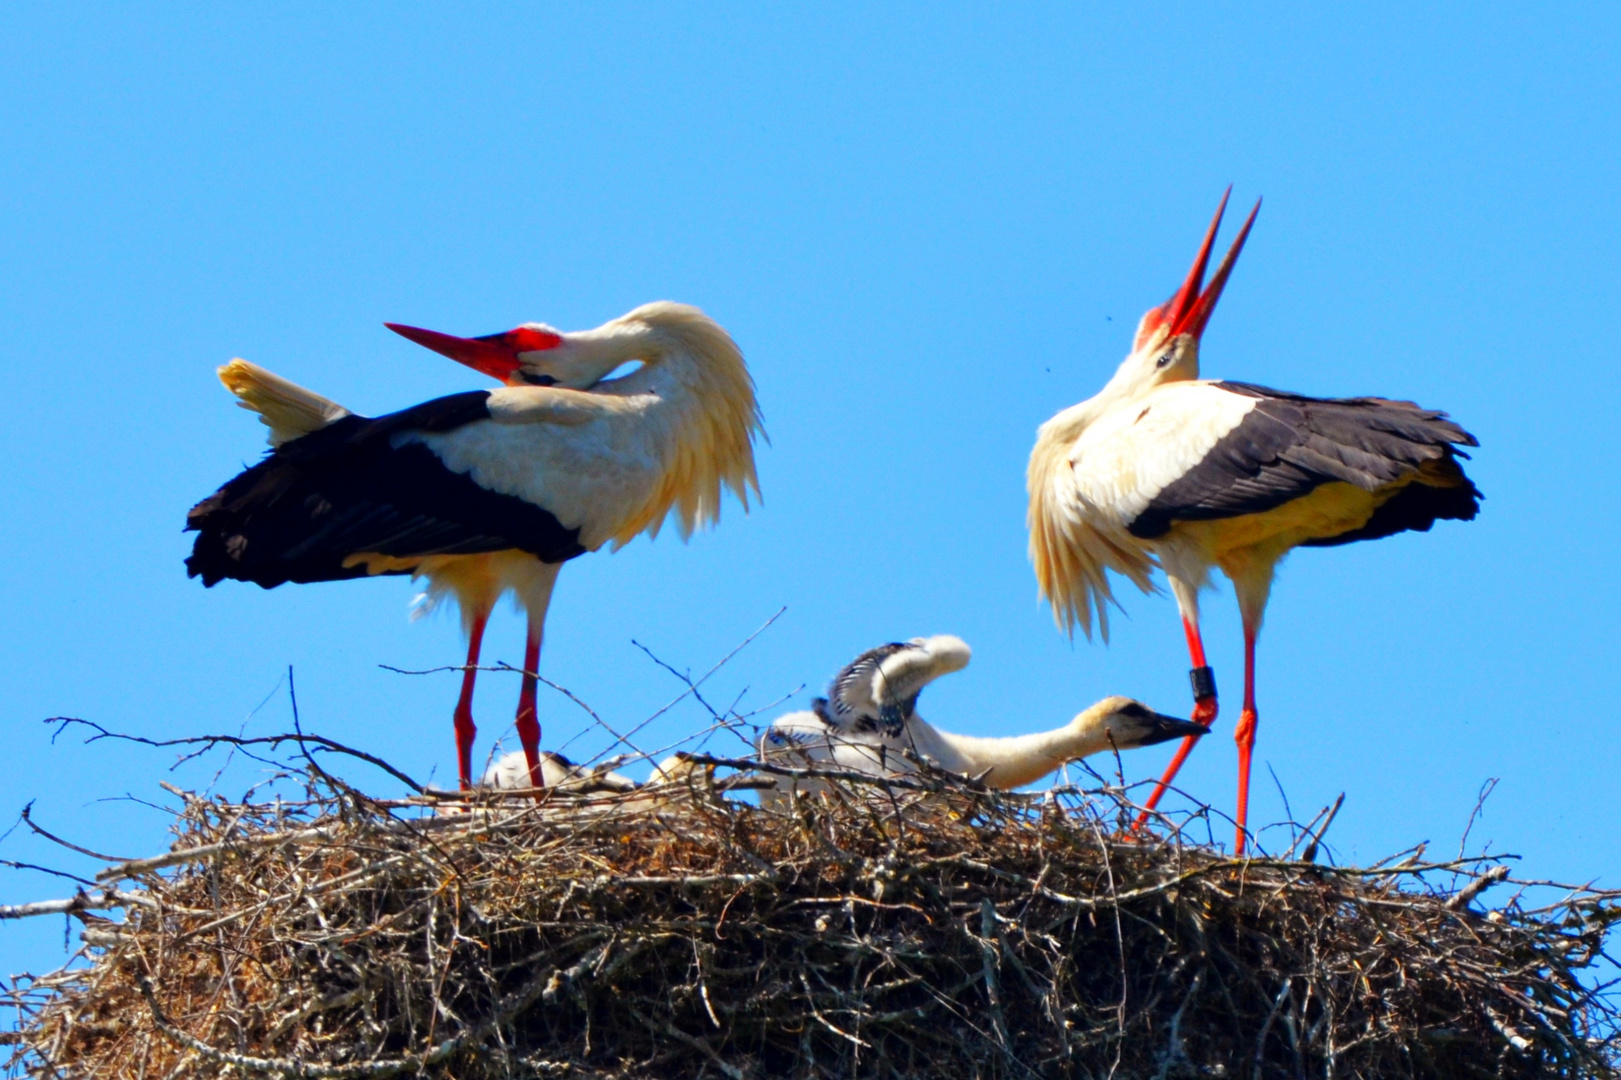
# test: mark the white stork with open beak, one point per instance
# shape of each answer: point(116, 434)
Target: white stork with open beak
point(869, 723)
point(487, 492)
point(1162, 467)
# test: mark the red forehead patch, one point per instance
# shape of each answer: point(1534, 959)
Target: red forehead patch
point(529, 339)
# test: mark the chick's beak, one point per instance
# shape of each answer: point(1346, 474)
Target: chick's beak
point(1164, 728)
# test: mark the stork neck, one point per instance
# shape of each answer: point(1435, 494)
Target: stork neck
point(1144, 370)
point(1012, 761)
point(608, 347)
point(694, 381)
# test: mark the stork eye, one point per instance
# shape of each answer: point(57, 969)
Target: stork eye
point(534, 378)
point(1165, 361)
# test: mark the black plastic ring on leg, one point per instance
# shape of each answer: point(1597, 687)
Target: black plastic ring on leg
point(1204, 683)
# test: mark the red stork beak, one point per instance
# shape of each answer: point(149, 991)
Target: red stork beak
point(1189, 310)
point(496, 355)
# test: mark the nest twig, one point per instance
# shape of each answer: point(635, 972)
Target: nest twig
point(923, 928)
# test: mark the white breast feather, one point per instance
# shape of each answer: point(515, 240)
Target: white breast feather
point(1081, 507)
point(1135, 450)
point(590, 474)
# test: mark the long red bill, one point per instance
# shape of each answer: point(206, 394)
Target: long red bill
point(496, 355)
point(1197, 315)
point(1175, 311)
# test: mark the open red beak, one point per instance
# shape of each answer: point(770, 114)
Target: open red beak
point(1188, 311)
point(496, 355)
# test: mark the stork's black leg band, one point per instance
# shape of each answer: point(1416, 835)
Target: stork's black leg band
point(1204, 683)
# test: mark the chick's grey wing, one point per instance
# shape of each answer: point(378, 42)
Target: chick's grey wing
point(853, 703)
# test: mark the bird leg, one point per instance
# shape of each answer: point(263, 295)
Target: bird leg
point(527, 724)
point(1244, 735)
point(465, 728)
point(1201, 676)
point(1204, 712)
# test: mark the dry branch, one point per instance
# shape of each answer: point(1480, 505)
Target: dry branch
point(928, 927)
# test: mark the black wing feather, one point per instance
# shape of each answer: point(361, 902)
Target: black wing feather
point(1290, 444)
point(848, 716)
point(347, 489)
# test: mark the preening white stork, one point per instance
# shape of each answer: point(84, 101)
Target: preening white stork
point(487, 492)
point(1161, 467)
point(869, 723)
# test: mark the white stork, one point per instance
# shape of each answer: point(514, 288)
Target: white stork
point(1162, 467)
point(869, 723)
point(487, 492)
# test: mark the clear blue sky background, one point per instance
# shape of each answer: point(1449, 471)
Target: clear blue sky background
point(930, 227)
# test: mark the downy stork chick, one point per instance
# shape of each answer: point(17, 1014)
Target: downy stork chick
point(510, 772)
point(1164, 468)
point(676, 776)
point(489, 492)
point(869, 723)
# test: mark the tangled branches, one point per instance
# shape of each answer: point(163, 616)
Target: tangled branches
point(929, 928)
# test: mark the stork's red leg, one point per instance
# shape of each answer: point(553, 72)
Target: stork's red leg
point(1204, 712)
point(1244, 735)
point(465, 728)
point(527, 723)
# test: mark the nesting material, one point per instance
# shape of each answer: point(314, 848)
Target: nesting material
point(918, 928)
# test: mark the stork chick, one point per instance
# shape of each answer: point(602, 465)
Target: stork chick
point(869, 723)
point(1163, 468)
point(510, 772)
point(489, 492)
point(676, 776)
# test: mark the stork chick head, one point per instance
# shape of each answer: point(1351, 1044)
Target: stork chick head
point(1126, 724)
point(1166, 348)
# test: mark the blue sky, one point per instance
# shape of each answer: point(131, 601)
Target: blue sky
point(929, 228)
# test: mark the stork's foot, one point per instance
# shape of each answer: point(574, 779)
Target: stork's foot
point(529, 727)
point(466, 731)
point(1244, 735)
point(529, 737)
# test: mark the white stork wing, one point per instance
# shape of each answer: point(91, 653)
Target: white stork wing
point(363, 485)
point(805, 739)
point(286, 408)
point(876, 693)
point(1283, 446)
point(903, 674)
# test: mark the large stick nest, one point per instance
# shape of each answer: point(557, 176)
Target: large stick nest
point(926, 928)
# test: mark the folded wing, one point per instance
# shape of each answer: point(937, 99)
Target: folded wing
point(364, 486)
point(1285, 446)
